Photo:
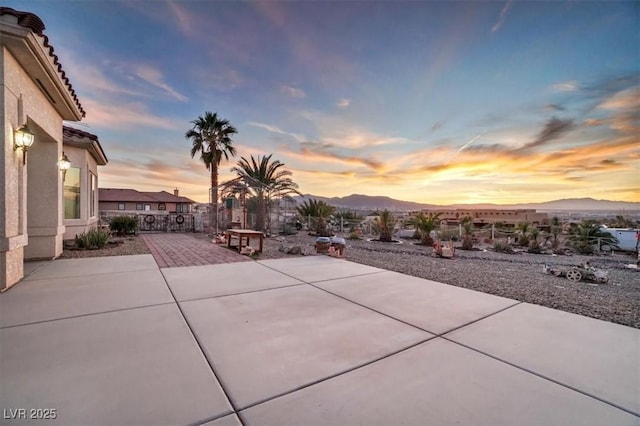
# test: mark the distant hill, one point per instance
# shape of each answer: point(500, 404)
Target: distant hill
point(368, 202)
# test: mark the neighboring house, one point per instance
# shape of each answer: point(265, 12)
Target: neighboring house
point(481, 217)
point(131, 201)
point(85, 154)
point(36, 93)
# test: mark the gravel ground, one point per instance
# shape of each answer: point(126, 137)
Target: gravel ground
point(119, 246)
point(516, 276)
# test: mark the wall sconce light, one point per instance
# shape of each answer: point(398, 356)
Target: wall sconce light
point(64, 165)
point(23, 139)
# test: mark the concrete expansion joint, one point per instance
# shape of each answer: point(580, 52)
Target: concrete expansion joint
point(93, 275)
point(86, 315)
point(201, 348)
point(261, 290)
point(338, 374)
point(479, 319)
point(542, 376)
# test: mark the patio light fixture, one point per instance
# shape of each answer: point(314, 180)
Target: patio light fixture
point(64, 164)
point(23, 139)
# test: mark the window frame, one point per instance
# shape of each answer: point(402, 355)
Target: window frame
point(74, 173)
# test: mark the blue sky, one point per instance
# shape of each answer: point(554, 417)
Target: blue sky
point(437, 102)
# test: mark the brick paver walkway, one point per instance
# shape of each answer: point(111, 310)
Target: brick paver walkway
point(173, 250)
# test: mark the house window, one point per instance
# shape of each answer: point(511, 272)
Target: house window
point(162, 206)
point(182, 208)
point(147, 207)
point(93, 184)
point(72, 194)
point(138, 206)
point(121, 206)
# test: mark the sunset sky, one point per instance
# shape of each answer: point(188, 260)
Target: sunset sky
point(435, 102)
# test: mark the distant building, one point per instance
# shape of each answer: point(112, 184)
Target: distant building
point(482, 217)
point(133, 201)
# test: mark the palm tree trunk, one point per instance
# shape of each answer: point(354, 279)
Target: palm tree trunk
point(260, 211)
point(213, 211)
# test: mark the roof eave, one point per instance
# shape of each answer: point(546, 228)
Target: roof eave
point(30, 51)
point(94, 148)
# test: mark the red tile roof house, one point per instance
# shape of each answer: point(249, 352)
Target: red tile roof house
point(162, 206)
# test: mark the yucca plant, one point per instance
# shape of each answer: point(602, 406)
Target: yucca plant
point(384, 225)
point(467, 240)
point(524, 228)
point(534, 244)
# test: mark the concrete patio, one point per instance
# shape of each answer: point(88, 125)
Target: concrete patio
point(303, 341)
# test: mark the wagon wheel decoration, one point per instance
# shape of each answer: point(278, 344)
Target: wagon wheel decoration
point(149, 218)
point(574, 275)
point(179, 219)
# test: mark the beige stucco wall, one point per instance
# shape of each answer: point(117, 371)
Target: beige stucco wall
point(81, 158)
point(43, 185)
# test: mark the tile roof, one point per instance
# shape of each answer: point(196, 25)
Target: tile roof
point(164, 196)
point(132, 195)
point(73, 132)
point(76, 137)
point(34, 23)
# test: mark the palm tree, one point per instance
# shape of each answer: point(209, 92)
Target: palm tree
point(424, 224)
point(385, 223)
point(585, 235)
point(317, 210)
point(269, 181)
point(211, 137)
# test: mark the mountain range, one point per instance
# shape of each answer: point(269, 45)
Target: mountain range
point(368, 202)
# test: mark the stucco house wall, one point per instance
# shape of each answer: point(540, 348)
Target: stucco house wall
point(85, 154)
point(34, 91)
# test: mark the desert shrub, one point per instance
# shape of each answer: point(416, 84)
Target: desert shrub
point(94, 238)
point(500, 246)
point(467, 242)
point(448, 235)
point(354, 235)
point(122, 225)
point(534, 247)
point(426, 240)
